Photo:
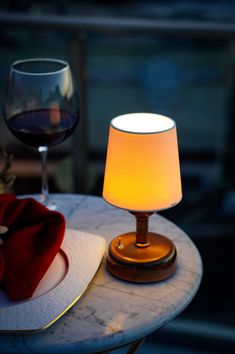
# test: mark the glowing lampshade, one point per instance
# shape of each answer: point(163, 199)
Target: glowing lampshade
point(142, 167)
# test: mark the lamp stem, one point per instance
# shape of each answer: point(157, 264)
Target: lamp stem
point(142, 222)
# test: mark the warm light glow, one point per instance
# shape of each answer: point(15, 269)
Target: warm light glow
point(55, 113)
point(142, 167)
point(142, 123)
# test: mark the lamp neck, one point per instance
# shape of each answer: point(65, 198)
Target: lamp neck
point(142, 222)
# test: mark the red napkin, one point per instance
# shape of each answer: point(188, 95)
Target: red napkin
point(34, 237)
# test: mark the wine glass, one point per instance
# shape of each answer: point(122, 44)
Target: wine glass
point(41, 108)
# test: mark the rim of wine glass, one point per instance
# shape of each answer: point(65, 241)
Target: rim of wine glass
point(22, 61)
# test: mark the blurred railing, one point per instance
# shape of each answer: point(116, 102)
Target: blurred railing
point(79, 26)
point(120, 24)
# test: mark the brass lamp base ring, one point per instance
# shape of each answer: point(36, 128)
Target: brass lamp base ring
point(128, 261)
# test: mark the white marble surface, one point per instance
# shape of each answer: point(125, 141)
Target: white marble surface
point(112, 312)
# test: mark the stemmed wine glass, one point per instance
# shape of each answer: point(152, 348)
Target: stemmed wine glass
point(41, 108)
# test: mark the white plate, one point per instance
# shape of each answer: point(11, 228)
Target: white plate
point(65, 281)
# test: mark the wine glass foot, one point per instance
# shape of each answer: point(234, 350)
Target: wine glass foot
point(59, 206)
point(51, 206)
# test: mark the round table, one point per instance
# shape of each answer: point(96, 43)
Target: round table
point(112, 312)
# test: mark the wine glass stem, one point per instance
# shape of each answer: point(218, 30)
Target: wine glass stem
point(45, 192)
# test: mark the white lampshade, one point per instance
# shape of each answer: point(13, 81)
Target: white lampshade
point(142, 170)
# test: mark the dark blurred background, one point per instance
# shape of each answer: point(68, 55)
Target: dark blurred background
point(187, 74)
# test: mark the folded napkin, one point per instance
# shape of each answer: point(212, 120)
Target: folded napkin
point(29, 246)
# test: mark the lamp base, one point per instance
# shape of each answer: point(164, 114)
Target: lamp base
point(150, 262)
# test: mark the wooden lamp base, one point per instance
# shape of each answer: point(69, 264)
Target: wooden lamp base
point(141, 256)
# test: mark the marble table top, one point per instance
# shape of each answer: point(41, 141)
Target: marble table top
point(112, 312)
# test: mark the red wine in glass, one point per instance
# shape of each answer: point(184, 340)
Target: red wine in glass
point(42, 127)
point(41, 108)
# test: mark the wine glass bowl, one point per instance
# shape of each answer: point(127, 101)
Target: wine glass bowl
point(41, 106)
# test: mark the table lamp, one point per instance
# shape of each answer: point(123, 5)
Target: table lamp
point(142, 175)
